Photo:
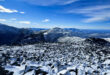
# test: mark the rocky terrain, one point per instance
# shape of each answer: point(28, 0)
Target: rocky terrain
point(81, 58)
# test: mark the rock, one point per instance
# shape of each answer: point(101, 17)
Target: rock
point(96, 41)
point(5, 72)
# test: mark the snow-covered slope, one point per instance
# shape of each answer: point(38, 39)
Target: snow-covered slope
point(70, 39)
point(8, 34)
point(108, 39)
point(53, 34)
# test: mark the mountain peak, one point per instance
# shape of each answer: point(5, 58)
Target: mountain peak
point(56, 28)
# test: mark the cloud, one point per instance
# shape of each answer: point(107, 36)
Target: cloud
point(94, 19)
point(3, 9)
point(50, 2)
point(46, 20)
point(94, 13)
point(2, 20)
point(13, 19)
point(6, 10)
point(25, 22)
point(22, 12)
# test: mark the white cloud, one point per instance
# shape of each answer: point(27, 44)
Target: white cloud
point(5, 10)
point(46, 20)
point(94, 19)
point(22, 12)
point(50, 2)
point(94, 13)
point(2, 20)
point(25, 22)
point(68, 2)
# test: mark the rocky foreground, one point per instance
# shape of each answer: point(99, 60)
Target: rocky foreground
point(55, 59)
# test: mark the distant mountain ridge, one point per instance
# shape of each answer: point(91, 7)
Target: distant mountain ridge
point(17, 36)
point(84, 33)
point(20, 36)
point(38, 29)
point(8, 34)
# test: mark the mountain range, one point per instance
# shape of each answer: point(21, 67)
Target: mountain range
point(18, 36)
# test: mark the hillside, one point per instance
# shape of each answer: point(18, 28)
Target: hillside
point(8, 34)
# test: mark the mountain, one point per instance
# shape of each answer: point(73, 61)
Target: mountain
point(31, 38)
point(8, 34)
point(20, 36)
point(37, 29)
point(95, 33)
point(70, 55)
point(53, 34)
point(70, 39)
point(70, 34)
point(97, 41)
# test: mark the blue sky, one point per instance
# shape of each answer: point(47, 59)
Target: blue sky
point(82, 14)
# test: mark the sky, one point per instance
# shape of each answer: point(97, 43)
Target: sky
point(81, 14)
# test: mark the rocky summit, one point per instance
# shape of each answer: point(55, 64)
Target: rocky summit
point(79, 58)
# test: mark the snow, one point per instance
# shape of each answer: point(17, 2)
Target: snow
point(30, 73)
point(106, 61)
point(108, 39)
point(70, 39)
point(56, 59)
point(15, 69)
